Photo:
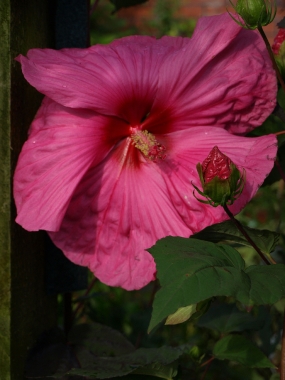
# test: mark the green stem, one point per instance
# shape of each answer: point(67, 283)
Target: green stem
point(263, 35)
point(245, 234)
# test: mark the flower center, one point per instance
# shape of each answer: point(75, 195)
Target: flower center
point(148, 145)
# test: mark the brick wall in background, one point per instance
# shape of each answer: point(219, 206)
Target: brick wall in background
point(142, 15)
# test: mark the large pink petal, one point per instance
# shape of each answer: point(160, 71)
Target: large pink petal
point(118, 211)
point(117, 79)
point(222, 78)
point(122, 206)
point(62, 145)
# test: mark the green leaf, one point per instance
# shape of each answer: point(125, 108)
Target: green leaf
point(191, 271)
point(125, 3)
point(227, 318)
point(267, 283)
point(109, 367)
point(100, 340)
point(158, 370)
point(237, 348)
point(227, 231)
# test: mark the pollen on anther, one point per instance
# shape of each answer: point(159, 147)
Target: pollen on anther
point(148, 145)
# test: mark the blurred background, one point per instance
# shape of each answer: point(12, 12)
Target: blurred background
point(160, 17)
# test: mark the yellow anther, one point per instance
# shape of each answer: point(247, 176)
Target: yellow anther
point(148, 145)
point(143, 140)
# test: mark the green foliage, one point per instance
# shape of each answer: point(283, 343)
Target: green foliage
point(166, 20)
point(265, 240)
point(105, 26)
point(100, 340)
point(99, 352)
point(111, 355)
point(128, 312)
point(240, 349)
point(191, 271)
point(151, 361)
point(226, 318)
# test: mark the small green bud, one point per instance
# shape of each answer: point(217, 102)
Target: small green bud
point(254, 13)
point(221, 180)
point(195, 352)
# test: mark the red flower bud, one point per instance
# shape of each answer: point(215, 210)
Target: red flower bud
point(278, 49)
point(278, 40)
point(216, 164)
point(222, 182)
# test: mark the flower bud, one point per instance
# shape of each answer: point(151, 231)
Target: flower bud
point(195, 353)
point(221, 180)
point(254, 13)
point(278, 41)
point(278, 49)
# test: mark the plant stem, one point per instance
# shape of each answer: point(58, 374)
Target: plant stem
point(245, 234)
point(207, 364)
point(263, 35)
point(94, 6)
point(282, 362)
point(81, 304)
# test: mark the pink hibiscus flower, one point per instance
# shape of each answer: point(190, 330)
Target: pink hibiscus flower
point(112, 151)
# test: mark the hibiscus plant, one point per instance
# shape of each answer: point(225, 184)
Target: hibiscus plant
point(139, 158)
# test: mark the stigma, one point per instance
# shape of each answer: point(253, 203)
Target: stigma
point(148, 145)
